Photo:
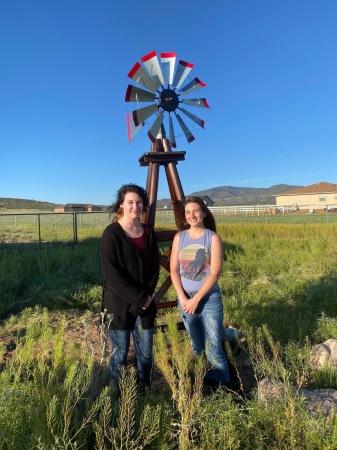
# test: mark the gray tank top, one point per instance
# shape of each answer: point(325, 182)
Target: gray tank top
point(194, 256)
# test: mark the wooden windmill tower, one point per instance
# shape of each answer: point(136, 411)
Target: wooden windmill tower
point(163, 87)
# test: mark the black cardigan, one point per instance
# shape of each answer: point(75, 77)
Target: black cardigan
point(129, 277)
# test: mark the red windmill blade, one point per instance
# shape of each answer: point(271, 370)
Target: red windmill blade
point(161, 82)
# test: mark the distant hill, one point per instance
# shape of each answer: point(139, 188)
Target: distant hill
point(19, 204)
point(232, 196)
point(221, 196)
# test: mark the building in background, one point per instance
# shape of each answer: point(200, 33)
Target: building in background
point(208, 201)
point(320, 195)
point(78, 207)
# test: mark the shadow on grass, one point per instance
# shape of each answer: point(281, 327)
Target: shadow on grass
point(296, 318)
point(230, 248)
point(13, 247)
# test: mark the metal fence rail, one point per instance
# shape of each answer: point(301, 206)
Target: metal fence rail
point(22, 231)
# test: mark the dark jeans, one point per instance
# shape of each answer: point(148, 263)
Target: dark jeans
point(143, 343)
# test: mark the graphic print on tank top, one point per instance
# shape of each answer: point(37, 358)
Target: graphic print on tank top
point(194, 260)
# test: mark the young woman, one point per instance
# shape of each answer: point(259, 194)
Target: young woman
point(196, 262)
point(130, 266)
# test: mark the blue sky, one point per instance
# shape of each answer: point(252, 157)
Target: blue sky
point(271, 72)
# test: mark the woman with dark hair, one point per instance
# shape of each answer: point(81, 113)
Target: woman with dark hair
point(196, 263)
point(130, 266)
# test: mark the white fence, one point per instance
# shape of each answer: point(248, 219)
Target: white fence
point(272, 209)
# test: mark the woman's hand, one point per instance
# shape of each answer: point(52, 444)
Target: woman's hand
point(190, 305)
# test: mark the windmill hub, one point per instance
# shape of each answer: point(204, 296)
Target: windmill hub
point(169, 100)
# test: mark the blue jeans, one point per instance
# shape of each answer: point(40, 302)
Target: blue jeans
point(205, 330)
point(143, 343)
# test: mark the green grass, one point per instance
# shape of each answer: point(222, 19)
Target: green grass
point(279, 287)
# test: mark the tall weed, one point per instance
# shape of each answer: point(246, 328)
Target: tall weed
point(184, 376)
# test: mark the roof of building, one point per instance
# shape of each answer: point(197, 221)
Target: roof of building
point(318, 188)
point(76, 205)
point(205, 197)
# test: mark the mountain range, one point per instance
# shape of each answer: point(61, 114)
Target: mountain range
point(235, 196)
point(221, 196)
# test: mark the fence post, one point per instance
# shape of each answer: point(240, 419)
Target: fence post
point(39, 227)
point(75, 227)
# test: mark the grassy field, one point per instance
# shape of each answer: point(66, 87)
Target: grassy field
point(279, 285)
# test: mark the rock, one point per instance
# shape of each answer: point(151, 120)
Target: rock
point(269, 391)
point(320, 401)
point(324, 355)
point(317, 402)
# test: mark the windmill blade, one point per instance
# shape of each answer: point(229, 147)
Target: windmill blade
point(172, 138)
point(152, 65)
point(196, 102)
point(168, 61)
point(192, 86)
point(183, 69)
point(163, 131)
point(195, 119)
point(140, 76)
point(136, 94)
point(189, 136)
point(153, 131)
point(141, 114)
point(132, 128)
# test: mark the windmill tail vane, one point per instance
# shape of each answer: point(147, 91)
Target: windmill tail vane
point(162, 85)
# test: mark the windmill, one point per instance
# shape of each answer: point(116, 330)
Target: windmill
point(169, 100)
point(164, 85)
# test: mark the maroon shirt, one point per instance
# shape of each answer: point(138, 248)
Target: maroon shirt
point(139, 242)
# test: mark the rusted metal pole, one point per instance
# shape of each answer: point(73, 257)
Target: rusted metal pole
point(152, 186)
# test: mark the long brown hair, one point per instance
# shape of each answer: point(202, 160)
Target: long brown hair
point(209, 221)
point(120, 196)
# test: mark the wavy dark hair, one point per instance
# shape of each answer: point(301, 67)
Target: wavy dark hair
point(209, 221)
point(120, 196)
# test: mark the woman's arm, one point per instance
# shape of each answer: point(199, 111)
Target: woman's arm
point(153, 261)
point(174, 271)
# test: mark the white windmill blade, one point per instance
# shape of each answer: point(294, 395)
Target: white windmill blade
point(136, 94)
point(192, 86)
point(152, 65)
point(153, 131)
point(140, 76)
point(163, 131)
point(168, 62)
point(189, 136)
point(196, 102)
point(132, 128)
point(195, 119)
point(172, 138)
point(141, 114)
point(183, 69)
